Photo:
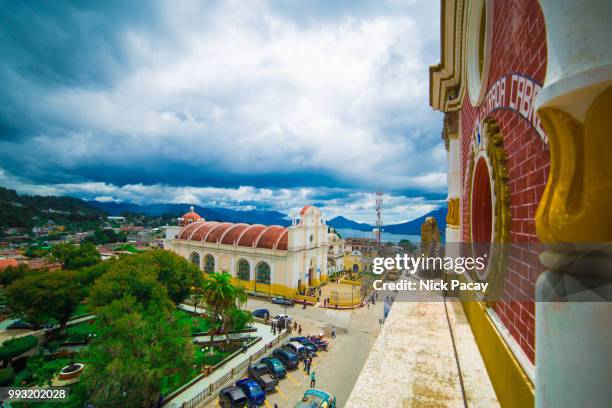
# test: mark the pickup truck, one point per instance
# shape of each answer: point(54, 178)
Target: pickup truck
point(260, 373)
point(232, 397)
point(255, 395)
point(275, 366)
point(289, 358)
point(310, 346)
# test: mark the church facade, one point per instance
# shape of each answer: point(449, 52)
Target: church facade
point(526, 91)
point(266, 260)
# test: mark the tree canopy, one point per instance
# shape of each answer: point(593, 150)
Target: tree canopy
point(136, 348)
point(75, 257)
point(106, 236)
point(12, 273)
point(150, 276)
point(43, 296)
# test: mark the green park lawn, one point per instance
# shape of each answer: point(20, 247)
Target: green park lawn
point(79, 332)
point(199, 324)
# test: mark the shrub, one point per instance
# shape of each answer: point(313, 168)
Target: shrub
point(6, 376)
point(23, 377)
point(15, 347)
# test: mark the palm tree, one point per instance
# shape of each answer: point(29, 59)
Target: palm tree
point(220, 295)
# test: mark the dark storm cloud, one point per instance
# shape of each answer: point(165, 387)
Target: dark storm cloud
point(329, 96)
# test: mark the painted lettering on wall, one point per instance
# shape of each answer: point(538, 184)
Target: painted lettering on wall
point(517, 93)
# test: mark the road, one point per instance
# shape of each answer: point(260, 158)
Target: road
point(337, 369)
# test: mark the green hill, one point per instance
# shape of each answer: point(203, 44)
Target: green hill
point(29, 211)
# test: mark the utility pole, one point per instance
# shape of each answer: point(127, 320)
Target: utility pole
point(379, 223)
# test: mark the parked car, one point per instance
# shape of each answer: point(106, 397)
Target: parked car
point(233, 397)
point(262, 374)
point(261, 313)
point(314, 398)
point(310, 346)
point(298, 349)
point(20, 324)
point(288, 357)
point(319, 342)
point(282, 301)
point(281, 320)
point(275, 366)
point(253, 391)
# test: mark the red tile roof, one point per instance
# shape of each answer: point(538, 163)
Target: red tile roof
point(226, 233)
point(5, 263)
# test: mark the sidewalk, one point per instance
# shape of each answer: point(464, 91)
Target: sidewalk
point(414, 361)
point(6, 334)
point(263, 331)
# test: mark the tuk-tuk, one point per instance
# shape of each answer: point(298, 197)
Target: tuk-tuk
point(314, 398)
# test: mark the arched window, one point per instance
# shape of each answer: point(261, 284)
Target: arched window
point(195, 259)
point(311, 237)
point(244, 270)
point(262, 273)
point(209, 264)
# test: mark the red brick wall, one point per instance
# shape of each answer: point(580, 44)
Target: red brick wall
point(519, 46)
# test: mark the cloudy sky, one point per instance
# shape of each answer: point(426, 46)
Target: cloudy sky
point(272, 104)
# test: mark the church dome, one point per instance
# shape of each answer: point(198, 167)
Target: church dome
point(310, 209)
point(189, 217)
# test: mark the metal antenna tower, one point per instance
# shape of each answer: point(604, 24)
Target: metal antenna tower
point(379, 223)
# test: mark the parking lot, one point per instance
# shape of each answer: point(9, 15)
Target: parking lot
point(337, 369)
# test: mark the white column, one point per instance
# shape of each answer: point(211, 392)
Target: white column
point(573, 332)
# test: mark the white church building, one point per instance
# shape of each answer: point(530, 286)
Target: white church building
point(267, 260)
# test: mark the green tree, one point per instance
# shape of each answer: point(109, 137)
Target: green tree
point(150, 275)
point(106, 236)
point(239, 319)
point(135, 352)
point(176, 273)
point(407, 245)
point(75, 257)
point(12, 273)
point(40, 297)
point(130, 276)
point(221, 296)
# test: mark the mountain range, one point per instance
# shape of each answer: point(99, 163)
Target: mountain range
point(213, 214)
point(412, 227)
point(265, 217)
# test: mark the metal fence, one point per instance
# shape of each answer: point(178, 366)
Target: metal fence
point(204, 396)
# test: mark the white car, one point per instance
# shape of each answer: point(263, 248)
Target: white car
point(280, 317)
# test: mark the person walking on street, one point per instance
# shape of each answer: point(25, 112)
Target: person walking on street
point(333, 332)
point(308, 363)
point(312, 380)
point(295, 325)
point(300, 330)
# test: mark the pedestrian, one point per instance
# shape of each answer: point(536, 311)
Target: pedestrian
point(333, 332)
point(300, 330)
point(312, 380)
point(275, 406)
point(295, 325)
point(319, 292)
point(308, 362)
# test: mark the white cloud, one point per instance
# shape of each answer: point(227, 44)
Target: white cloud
point(246, 91)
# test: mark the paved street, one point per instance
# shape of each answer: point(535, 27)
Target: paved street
point(338, 368)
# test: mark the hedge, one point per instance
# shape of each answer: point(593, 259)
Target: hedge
point(15, 347)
